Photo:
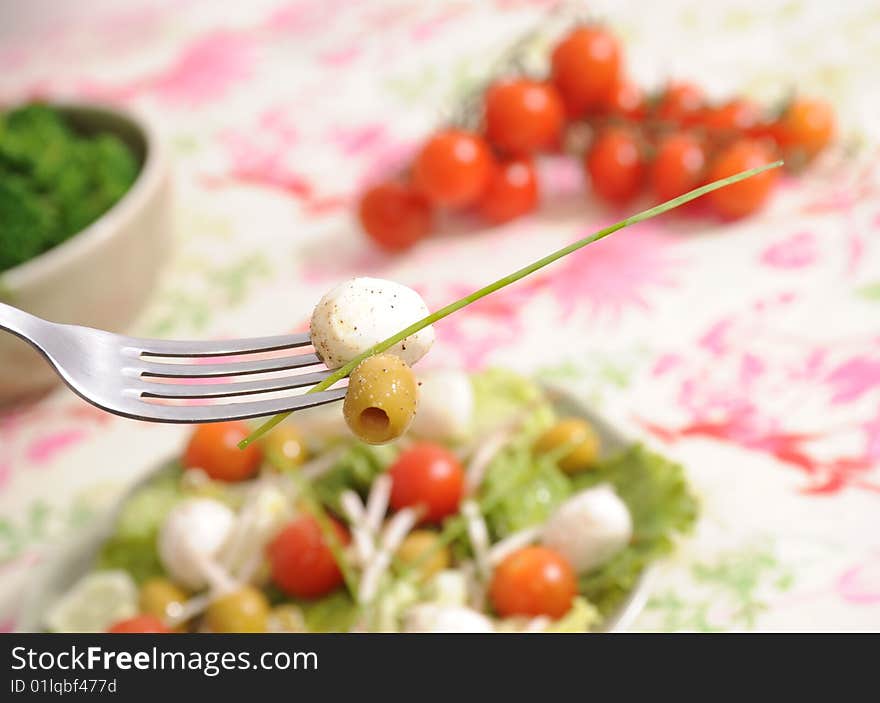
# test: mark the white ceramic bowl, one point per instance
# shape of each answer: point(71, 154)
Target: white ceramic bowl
point(74, 559)
point(102, 276)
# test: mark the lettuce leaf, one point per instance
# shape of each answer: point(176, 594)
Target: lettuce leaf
point(658, 497)
point(336, 612)
point(500, 396)
point(581, 617)
point(531, 487)
point(132, 546)
point(356, 470)
point(538, 486)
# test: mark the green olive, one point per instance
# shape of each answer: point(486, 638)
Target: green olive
point(244, 610)
point(381, 399)
point(576, 434)
point(285, 447)
point(420, 543)
point(287, 618)
point(161, 597)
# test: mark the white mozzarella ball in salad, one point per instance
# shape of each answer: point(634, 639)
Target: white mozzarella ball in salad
point(446, 406)
point(589, 528)
point(362, 312)
point(193, 533)
point(433, 617)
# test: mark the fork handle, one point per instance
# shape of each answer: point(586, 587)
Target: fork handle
point(20, 323)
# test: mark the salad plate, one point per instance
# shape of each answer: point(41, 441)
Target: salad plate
point(66, 565)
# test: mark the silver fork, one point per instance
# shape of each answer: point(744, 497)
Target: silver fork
point(122, 374)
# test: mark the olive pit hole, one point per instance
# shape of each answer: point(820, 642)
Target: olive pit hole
point(374, 421)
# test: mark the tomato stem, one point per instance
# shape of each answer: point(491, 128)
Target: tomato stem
point(345, 370)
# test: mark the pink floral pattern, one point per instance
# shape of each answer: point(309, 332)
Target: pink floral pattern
point(745, 382)
point(861, 584)
point(614, 274)
point(795, 252)
point(204, 71)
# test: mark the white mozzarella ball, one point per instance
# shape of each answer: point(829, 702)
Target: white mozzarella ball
point(446, 406)
point(362, 312)
point(193, 532)
point(431, 617)
point(589, 528)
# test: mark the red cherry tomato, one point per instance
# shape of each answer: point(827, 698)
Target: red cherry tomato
point(512, 191)
point(395, 215)
point(737, 117)
point(626, 99)
point(585, 67)
point(301, 561)
point(806, 126)
point(615, 165)
point(430, 476)
point(453, 168)
point(523, 116)
point(747, 196)
point(681, 103)
point(214, 448)
point(679, 166)
point(533, 581)
point(140, 623)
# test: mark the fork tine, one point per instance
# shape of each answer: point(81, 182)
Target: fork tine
point(221, 390)
point(218, 347)
point(185, 414)
point(232, 368)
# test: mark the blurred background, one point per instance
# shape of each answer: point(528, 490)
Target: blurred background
point(748, 350)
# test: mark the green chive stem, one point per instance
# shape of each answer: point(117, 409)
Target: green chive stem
point(345, 370)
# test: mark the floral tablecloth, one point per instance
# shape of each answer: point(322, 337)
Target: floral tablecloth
point(749, 352)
